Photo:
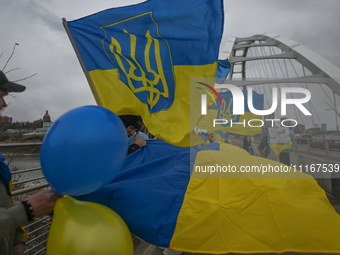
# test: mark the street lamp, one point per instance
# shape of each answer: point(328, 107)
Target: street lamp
point(336, 116)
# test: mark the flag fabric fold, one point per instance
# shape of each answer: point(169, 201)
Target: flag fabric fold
point(139, 59)
point(168, 197)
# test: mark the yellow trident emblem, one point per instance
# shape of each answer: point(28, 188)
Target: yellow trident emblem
point(142, 58)
point(148, 83)
point(225, 113)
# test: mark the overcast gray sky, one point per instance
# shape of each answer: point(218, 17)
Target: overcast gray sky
point(60, 84)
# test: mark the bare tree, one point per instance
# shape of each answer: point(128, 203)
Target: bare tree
point(13, 69)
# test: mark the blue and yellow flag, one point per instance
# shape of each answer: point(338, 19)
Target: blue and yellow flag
point(221, 137)
point(204, 200)
point(222, 70)
point(220, 116)
point(139, 59)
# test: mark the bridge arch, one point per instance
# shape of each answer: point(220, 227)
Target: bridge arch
point(270, 59)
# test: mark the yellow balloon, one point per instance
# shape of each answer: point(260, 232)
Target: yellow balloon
point(81, 228)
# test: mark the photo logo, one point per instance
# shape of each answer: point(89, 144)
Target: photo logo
point(238, 100)
point(204, 97)
point(237, 104)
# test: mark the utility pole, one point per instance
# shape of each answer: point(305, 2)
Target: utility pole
point(336, 113)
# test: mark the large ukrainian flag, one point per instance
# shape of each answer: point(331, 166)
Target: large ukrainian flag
point(167, 198)
point(139, 59)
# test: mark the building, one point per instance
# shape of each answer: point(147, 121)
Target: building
point(47, 123)
point(299, 129)
point(5, 120)
point(313, 131)
point(47, 117)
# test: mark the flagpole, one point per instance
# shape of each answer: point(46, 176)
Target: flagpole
point(82, 63)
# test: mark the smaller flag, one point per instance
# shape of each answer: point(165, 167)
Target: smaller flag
point(222, 70)
point(279, 139)
point(220, 116)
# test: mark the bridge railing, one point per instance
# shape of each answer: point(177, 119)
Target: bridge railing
point(24, 186)
point(326, 150)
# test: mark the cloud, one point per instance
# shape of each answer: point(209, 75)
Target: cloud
point(60, 84)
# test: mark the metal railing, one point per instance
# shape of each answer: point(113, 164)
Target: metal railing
point(326, 148)
point(23, 188)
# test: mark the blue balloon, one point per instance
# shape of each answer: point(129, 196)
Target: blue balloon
point(83, 150)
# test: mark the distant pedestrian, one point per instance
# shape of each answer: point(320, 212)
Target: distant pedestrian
point(284, 156)
point(264, 147)
point(247, 144)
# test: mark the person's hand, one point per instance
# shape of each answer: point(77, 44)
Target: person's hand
point(18, 249)
point(139, 140)
point(43, 202)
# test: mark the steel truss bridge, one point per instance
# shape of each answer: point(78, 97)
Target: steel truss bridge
point(267, 60)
